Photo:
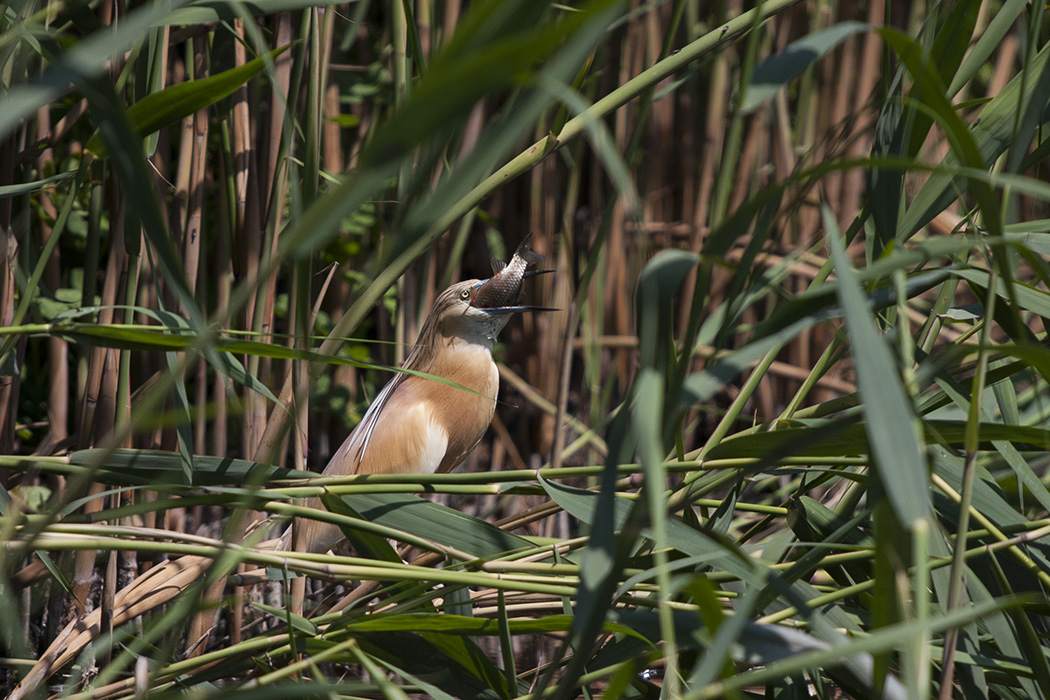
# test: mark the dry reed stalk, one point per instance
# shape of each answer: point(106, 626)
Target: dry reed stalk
point(279, 102)
point(662, 129)
point(247, 217)
point(1004, 63)
point(860, 139)
point(191, 248)
point(331, 130)
point(562, 392)
point(99, 404)
point(158, 586)
point(180, 198)
point(57, 349)
point(194, 160)
point(843, 104)
point(532, 340)
point(249, 230)
point(273, 195)
point(713, 142)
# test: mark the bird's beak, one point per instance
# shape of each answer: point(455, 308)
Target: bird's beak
point(495, 310)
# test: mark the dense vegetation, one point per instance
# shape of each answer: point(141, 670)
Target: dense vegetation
point(787, 436)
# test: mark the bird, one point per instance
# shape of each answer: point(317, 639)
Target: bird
point(417, 424)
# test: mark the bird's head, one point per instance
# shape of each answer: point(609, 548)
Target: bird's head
point(459, 311)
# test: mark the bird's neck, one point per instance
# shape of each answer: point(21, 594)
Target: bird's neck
point(440, 349)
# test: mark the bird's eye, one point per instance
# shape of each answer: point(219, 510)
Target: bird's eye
point(464, 295)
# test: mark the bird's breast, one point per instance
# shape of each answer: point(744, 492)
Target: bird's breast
point(464, 413)
point(429, 425)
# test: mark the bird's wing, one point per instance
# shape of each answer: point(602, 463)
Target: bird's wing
point(356, 443)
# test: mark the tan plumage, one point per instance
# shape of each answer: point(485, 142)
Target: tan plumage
point(418, 424)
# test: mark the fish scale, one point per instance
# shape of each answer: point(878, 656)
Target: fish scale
point(503, 289)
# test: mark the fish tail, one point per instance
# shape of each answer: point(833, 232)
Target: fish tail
point(526, 253)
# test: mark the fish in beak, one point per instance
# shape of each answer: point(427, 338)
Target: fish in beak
point(501, 293)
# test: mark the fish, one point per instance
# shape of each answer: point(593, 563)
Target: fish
point(502, 292)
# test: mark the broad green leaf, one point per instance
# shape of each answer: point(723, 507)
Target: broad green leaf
point(722, 554)
point(436, 523)
point(7, 191)
point(416, 654)
point(155, 466)
point(777, 71)
point(365, 544)
point(62, 300)
point(1029, 237)
point(1027, 296)
point(890, 421)
point(463, 650)
point(844, 437)
point(159, 109)
point(893, 556)
point(813, 523)
point(903, 123)
point(299, 622)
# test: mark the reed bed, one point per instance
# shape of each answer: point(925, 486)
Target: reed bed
point(786, 437)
